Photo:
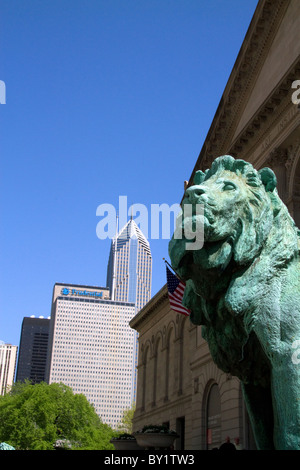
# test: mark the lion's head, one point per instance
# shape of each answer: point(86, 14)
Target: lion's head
point(240, 206)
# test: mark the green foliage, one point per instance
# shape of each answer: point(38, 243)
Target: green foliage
point(34, 417)
point(125, 426)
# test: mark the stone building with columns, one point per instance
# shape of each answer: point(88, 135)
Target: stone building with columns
point(257, 120)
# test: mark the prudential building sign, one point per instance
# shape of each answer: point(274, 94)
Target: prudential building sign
point(85, 293)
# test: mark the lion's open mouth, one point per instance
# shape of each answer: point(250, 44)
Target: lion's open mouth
point(189, 237)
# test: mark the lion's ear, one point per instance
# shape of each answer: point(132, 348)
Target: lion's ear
point(268, 179)
point(199, 176)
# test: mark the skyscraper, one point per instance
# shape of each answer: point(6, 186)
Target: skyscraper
point(130, 266)
point(129, 272)
point(8, 360)
point(33, 349)
point(92, 348)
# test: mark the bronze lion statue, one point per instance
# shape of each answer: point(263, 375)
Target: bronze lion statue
point(243, 286)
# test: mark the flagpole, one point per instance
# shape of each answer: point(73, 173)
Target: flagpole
point(179, 276)
point(173, 269)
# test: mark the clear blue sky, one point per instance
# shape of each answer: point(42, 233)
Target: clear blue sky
point(103, 98)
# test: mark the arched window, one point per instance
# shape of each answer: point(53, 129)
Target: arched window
point(213, 418)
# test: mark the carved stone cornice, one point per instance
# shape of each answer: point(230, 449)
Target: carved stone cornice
point(293, 151)
point(274, 114)
point(264, 28)
point(151, 306)
point(278, 157)
point(260, 34)
point(291, 164)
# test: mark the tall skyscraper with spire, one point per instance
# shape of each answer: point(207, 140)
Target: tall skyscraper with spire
point(130, 266)
point(129, 273)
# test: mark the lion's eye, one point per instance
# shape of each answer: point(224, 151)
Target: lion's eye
point(228, 186)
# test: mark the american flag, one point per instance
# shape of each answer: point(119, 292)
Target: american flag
point(176, 291)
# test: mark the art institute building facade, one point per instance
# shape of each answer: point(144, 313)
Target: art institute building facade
point(257, 120)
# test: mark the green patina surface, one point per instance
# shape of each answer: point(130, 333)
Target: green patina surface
point(243, 287)
point(5, 446)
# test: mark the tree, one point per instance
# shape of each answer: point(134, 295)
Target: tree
point(35, 417)
point(125, 426)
